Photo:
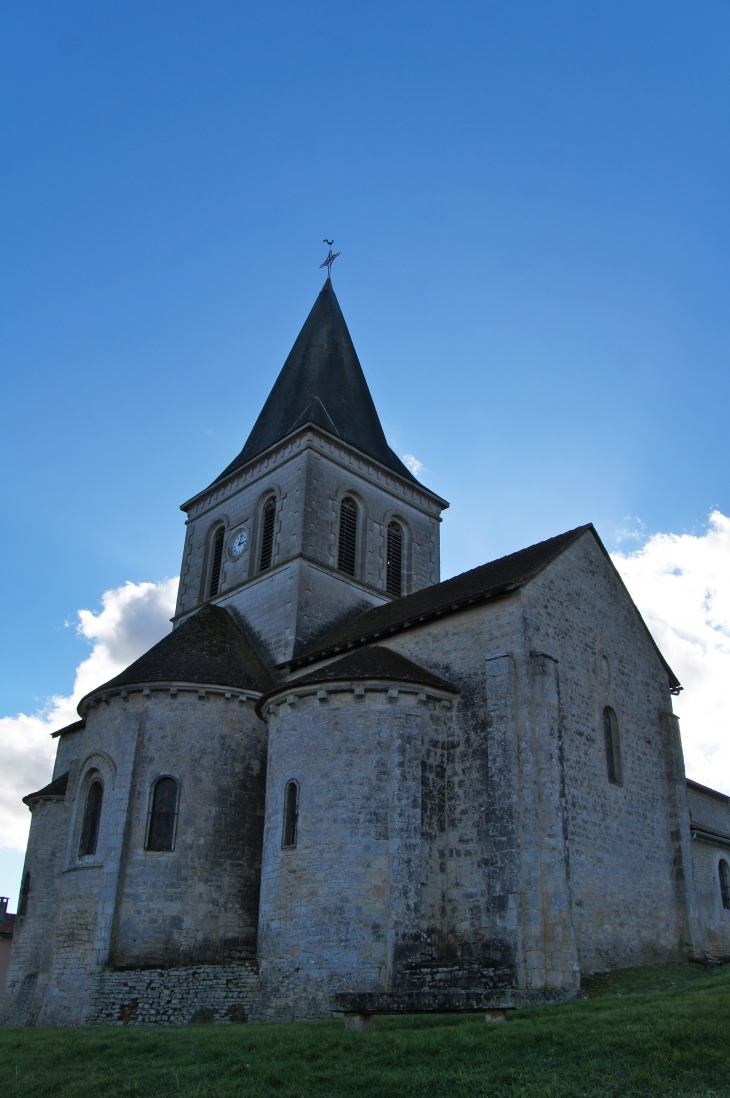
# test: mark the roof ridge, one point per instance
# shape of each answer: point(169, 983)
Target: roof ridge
point(444, 597)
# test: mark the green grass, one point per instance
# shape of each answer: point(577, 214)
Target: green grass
point(652, 1031)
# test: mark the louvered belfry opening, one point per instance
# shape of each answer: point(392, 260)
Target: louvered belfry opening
point(348, 536)
point(161, 831)
point(215, 571)
point(267, 535)
point(394, 560)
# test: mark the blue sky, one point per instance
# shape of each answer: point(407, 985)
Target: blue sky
point(531, 201)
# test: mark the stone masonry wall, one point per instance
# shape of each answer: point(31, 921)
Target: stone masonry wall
point(125, 905)
point(288, 607)
point(29, 962)
point(713, 811)
point(198, 994)
point(507, 901)
point(341, 911)
point(628, 843)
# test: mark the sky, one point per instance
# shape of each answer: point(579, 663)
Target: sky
point(530, 200)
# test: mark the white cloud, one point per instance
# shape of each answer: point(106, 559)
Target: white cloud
point(681, 584)
point(414, 464)
point(132, 619)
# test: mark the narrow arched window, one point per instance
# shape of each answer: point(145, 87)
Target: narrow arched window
point(163, 814)
point(347, 549)
point(613, 746)
point(24, 890)
point(267, 534)
point(291, 814)
point(724, 873)
point(215, 567)
point(394, 560)
point(92, 816)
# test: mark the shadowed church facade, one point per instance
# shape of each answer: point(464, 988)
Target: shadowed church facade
point(341, 785)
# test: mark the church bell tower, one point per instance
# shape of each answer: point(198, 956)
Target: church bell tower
point(317, 519)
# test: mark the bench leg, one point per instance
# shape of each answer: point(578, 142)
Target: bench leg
point(358, 1023)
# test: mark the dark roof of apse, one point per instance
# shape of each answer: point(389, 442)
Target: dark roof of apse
point(374, 663)
point(206, 648)
point(75, 727)
point(487, 581)
point(322, 383)
point(56, 788)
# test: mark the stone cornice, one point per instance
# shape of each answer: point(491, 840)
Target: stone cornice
point(290, 693)
point(318, 440)
point(262, 577)
point(98, 697)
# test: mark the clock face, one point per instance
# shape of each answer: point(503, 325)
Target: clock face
point(239, 542)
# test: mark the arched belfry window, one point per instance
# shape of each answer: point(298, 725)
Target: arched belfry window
point(291, 814)
point(163, 814)
point(92, 818)
point(394, 560)
point(613, 746)
point(723, 870)
point(267, 534)
point(215, 566)
point(347, 548)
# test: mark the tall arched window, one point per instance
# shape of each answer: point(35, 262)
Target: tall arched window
point(215, 568)
point(723, 870)
point(613, 746)
point(267, 534)
point(24, 890)
point(394, 560)
point(347, 549)
point(163, 814)
point(92, 816)
point(291, 814)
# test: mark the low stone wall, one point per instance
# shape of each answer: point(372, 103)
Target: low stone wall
point(221, 994)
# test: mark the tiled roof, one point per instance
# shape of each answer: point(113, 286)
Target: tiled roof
point(7, 924)
point(373, 663)
point(56, 788)
point(497, 577)
point(207, 648)
point(75, 727)
point(706, 789)
point(485, 582)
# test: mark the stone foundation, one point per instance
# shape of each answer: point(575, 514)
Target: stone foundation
point(218, 994)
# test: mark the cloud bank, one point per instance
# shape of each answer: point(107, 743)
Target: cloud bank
point(681, 584)
point(132, 619)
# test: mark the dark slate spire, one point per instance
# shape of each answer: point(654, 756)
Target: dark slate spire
point(322, 383)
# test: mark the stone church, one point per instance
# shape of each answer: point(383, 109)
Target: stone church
point(340, 786)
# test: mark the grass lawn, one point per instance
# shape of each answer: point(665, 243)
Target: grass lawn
point(654, 1031)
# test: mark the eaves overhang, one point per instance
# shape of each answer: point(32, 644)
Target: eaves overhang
point(413, 622)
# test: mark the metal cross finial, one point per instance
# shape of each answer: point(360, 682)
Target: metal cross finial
point(330, 258)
